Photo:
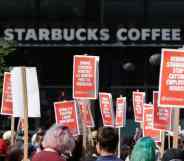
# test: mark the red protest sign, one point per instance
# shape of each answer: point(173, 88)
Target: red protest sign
point(148, 124)
point(138, 105)
point(161, 116)
point(66, 114)
point(85, 112)
point(85, 77)
point(7, 102)
point(171, 85)
point(106, 109)
point(120, 112)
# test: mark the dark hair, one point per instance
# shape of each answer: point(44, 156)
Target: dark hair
point(14, 153)
point(40, 131)
point(107, 139)
point(173, 154)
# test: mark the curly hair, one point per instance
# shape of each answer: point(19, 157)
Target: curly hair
point(59, 138)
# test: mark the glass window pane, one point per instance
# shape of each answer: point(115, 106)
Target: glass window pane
point(16, 8)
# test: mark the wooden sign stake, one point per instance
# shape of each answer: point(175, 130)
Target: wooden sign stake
point(176, 125)
point(162, 143)
point(25, 99)
point(84, 136)
point(83, 128)
point(12, 129)
point(119, 134)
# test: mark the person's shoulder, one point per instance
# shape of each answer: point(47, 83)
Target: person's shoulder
point(46, 155)
point(99, 158)
point(118, 159)
point(2, 141)
point(113, 158)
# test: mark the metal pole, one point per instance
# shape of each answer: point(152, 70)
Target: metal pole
point(119, 144)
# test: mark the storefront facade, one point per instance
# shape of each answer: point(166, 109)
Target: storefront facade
point(125, 34)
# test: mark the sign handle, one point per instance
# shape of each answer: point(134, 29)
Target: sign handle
point(12, 129)
point(169, 141)
point(84, 136)
point(119, 143)
point(176, 125)
point(84, 129)
point(162, 144)
point(25, 99)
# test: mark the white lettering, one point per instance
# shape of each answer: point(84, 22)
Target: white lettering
point(166, 34)
point(20, 33)
point(8, 34)
point(176, 34)
point(31, 35)
point(68, 35)
point(44, 34)
point(134, 34)
point(92, 34)
point(120, 36)
point(155, 34)
point(79, 35)
point(56, 34)
point(145, 34)
point(104, 34)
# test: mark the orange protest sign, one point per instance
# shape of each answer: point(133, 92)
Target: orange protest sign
point(148, 124)
point(85, 77)
point(161, 116)
point(171, 85)
point(7, 102)
point(138, 105)
point(106, 109)
point(66, 114)
point(120, 112)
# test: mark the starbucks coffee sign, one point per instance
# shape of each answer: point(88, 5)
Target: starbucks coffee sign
point(63, 36)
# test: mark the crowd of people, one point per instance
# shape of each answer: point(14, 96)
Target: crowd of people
point(58, 144)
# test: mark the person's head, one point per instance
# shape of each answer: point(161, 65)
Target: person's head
point(138, 134)
point(107, 140)
point(14, 153)
point(92, 138)
point(173, 155)
point(19, 141)
point(58, 138)
point(39, 135)
point(125, 151)
point(144, 150)
point(181, 142)
point(7, 136)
